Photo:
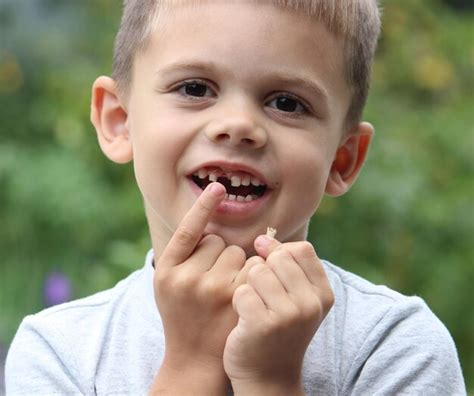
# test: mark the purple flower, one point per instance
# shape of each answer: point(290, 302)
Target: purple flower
point(56, 289)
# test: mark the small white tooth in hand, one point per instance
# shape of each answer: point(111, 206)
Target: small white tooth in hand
point(271, 232)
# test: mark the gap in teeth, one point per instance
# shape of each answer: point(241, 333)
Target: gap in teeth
point(237, 179)
point(233, 181)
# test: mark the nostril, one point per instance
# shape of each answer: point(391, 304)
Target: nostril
point(222, 137)
point(247, 141)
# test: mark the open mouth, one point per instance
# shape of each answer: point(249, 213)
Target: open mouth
point(240, 186)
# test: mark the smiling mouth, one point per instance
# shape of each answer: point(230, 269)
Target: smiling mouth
point(240, 186)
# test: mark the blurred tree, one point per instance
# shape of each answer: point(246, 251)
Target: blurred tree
point(64, 208)
point(461, 4)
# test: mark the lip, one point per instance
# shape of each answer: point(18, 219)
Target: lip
point(242, 210)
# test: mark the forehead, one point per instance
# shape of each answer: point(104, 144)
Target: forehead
point(245, 42)
point(255, 26)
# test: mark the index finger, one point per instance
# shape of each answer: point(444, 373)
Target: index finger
point(190, 230)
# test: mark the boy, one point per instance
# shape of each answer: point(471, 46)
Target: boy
point(237, 115)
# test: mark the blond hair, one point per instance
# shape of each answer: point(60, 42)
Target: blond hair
point(356, 21)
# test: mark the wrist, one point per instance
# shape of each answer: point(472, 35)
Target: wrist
point(190, 377)
point(269, 387)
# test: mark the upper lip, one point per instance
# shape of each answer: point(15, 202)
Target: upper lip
point(233, 167)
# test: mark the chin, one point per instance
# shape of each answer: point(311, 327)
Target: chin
point(235, 236)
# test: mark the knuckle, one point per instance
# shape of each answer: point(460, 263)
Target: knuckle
point(214, 239)
point(213, 291)
point(176, 283)
point(277, 255)
point(328, 300)
point(292, 315)
point(244, 291)
point(254, 260)
point(305, 250)
point(312, 311)
point(236, 251)
point(257, 271)
point(184, 236)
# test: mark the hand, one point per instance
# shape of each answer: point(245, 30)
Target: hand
point(194, 281)
point(280, 308)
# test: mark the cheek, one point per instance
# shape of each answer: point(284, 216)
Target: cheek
point(306, 176)
point(155, 154)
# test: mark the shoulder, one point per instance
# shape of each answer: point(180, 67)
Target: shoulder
point(77, 318)
point(384, 332)
point(58, 341)
point(360, 299)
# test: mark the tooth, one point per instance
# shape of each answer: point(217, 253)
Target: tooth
point(227, 196)
point(246, 180)
point(254, 197)
point(248, 198)
point(256, 182)
point(202, 173)
point(240, 198)
point(235, 181)
point(232, 197)
point(213, 177)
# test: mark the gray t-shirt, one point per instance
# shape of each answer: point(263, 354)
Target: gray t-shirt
point(373, 341)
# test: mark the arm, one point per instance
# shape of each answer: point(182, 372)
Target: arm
point(280, 308)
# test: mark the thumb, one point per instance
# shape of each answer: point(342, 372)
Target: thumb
point(265, 244)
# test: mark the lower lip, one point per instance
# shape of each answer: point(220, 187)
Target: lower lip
point(236, 208)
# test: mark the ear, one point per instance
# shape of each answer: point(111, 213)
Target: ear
point(349, 158)
point(110, 121)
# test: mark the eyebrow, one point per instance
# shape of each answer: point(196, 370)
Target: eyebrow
point(316, 90)
point(187, 66)
point(283, 77)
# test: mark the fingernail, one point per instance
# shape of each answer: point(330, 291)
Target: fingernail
point(217, 189)
point(263, 241)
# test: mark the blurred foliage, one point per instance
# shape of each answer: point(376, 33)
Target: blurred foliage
point(407, 223)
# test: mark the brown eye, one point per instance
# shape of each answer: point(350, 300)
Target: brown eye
point(195, 89)
point(287, 104)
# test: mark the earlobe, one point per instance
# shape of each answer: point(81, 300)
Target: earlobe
point(348, 161)
point(110, 121)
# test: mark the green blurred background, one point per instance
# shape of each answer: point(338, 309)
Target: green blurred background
point(408, 222)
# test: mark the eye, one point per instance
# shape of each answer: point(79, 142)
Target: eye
point(288, 104)
point(197, 89)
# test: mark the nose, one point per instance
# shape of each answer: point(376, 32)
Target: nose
point(237, 130)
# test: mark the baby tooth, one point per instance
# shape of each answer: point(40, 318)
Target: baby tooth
point(235, 181)
point(202, 173)
point(248, 198)
point(227, 196)
point(232, 197)
point(240, 198)
point(256, 182)
point(246, 180)
point(213, 177)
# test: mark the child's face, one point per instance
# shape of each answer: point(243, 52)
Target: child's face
point(244, 91)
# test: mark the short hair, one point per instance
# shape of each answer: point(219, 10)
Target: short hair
point(356, 21)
